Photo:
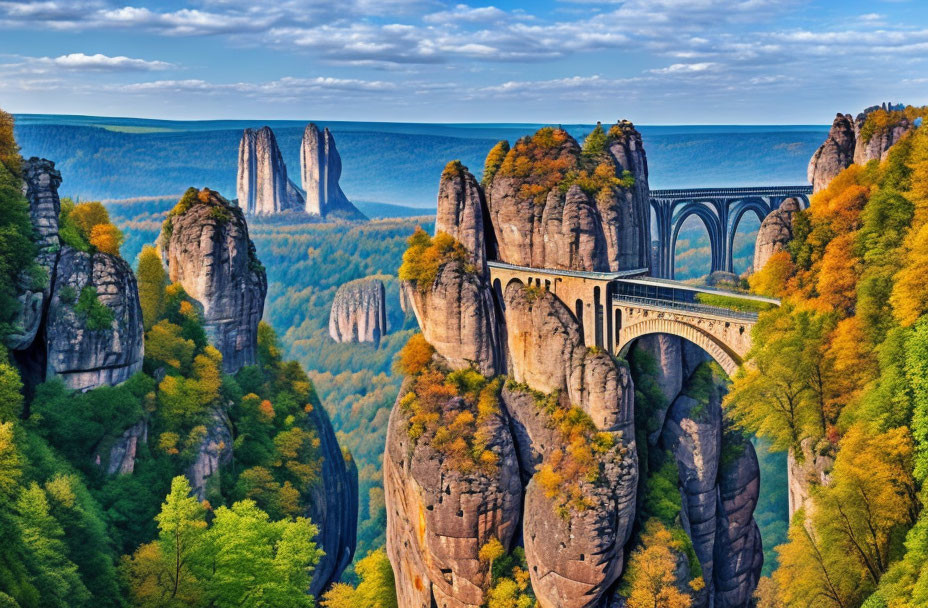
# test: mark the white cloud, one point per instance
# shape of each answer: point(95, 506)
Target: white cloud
point(684, 68)
point(80, 61)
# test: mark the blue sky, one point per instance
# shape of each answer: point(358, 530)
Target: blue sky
point(652, 61)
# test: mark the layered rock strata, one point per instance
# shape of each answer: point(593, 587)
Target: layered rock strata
point(320, 170)
point(206, 249)
point(262, 185)
point(359, 312)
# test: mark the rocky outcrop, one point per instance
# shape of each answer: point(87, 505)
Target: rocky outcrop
point(206, 249)
point(439, 517)
point(667, 353)
point(693, 435)
point(874, 144)
point(83, 349)
point(213, 452)
point(458, 318)
point(333, 506)
point(547, 353)
point(460, 211)
point(119, 457)
point(359, 312)
point(262, 185)
point(833, 156)
point(40, 181)
point(627, 214)
point(320, 170)
point(776, 231)
point(739, 555)
point(606, 230)
point(809, 469)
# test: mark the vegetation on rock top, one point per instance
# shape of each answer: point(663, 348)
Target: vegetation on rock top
point(426, 256)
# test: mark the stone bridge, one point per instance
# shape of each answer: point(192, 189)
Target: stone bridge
point(720, 210)
point(615, 308)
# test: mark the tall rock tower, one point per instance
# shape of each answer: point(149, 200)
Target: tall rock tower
point(321, 168)
point(262, 185)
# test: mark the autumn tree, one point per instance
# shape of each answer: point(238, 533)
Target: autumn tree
point(152, 280)
point(652, 577)
point(376, 587)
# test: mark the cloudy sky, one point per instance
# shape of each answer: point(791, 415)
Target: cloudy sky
point(653, 61)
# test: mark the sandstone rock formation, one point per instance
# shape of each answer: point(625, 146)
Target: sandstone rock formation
point(876, 145)
point(320, 170)
point(359, 312)
point(833, 156)
point(41, 181)
point(811, 469)
point(439, 517)
point(262, 185)
point(739, 555)
point(206, 248)
point(121, 454)
point(570, 228)
point(460, 211)
point(333, 506)
point(776, 231)
point(214, 451)
point(82, 355)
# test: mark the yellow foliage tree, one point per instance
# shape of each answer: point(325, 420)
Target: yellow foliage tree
point(652, 572)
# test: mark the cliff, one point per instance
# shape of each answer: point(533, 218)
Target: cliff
point(206, 248)
point(320, 170)
point(552, 446)
point(84, 325)
point(835, 154)
point(359, 312)
point(262, 185)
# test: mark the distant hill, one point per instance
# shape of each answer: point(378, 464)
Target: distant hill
point(394, 163)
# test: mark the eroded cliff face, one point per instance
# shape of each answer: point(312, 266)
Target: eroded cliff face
point(82, 353)
point(359, 312)
point(206, 249)
point(600, 222)
point(84, 323)
point(775, 233)
point(262, 185)
point(835, 154)
point(320, 170)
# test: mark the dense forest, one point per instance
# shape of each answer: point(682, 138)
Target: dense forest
point(837, 378)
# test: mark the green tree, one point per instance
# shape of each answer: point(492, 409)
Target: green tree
point(152, 280)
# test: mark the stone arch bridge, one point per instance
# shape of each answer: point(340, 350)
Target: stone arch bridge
point(720, 210)
point(615, 308)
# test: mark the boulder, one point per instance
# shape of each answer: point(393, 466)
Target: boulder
point(359, 312)
point(206, 249)
point(262, 185)
point(776, 231)
point(834, 155)
point(320, 170)
point(439, 517)
point(79, 351)
point(458, 318)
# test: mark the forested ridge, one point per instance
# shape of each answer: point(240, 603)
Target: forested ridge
point(76, 534)
point(837, 377)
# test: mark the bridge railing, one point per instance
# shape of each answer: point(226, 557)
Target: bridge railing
point(687, 307)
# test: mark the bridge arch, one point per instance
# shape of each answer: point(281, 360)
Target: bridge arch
point(728, 360)
point(738, 211)
point(713, 227)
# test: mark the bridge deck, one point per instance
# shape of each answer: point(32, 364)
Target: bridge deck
point(702, 309)
point(699, 193)
point(579, 274)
